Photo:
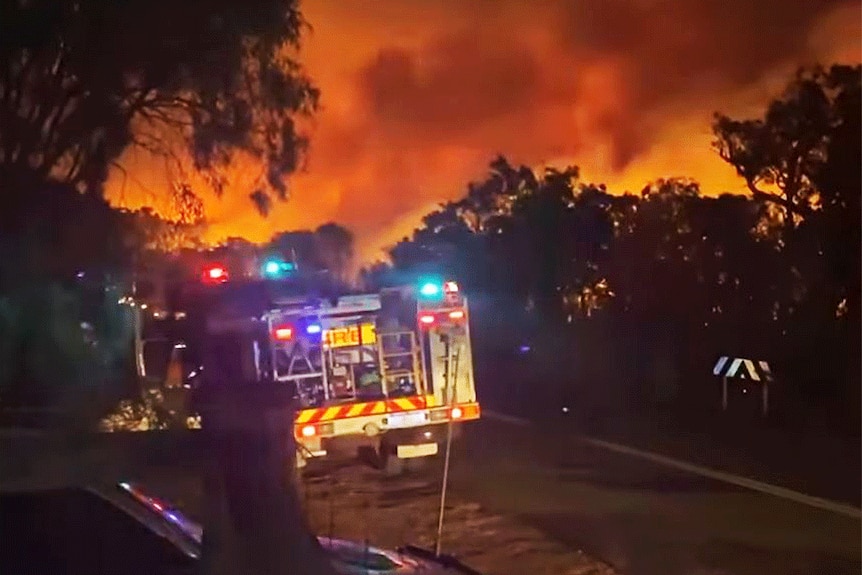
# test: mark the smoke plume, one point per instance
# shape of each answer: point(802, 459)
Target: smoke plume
point(418, 97)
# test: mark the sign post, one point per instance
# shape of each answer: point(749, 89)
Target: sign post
point(741, 368)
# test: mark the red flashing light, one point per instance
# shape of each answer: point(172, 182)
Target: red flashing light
point(215, 274)
point(283, 333)
point(426, 319)
point(456, 314)
point(456, 412)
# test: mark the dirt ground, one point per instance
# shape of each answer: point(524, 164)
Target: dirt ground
point(354, 501)
point(357, 502)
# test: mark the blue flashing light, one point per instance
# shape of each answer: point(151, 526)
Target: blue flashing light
point(313, 328)
point(430, 289)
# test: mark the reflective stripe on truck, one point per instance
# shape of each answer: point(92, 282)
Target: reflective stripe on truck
point(316, 414)
point(458, 412)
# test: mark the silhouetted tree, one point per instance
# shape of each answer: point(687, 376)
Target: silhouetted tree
point(784, 150)
point(299, 245)
point(154, 233)
point(839, 187)
point(669, 277)
point(84, 79)
point(806, 149)
point(333, 246)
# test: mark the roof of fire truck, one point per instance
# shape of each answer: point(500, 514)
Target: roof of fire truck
point(256, 295)
point(280, 280)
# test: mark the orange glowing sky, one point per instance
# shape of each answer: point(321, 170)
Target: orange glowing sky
point(418, 97)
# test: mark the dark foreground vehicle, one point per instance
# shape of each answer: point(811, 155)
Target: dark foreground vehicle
point(124, 530)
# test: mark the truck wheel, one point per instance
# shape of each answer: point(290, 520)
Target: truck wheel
point(368, 455)
point(390, 463)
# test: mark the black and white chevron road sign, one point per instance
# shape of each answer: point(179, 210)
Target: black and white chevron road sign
point(745, 369)
point(742, 368)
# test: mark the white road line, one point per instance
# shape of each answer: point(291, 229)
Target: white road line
point(506, 418)
point(769, 489)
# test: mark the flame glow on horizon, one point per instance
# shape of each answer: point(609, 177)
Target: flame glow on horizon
point(417, 101)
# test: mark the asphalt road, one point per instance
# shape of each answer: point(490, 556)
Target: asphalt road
point(646, 518)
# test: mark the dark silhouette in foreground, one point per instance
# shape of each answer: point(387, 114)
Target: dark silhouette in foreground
point(254, 521)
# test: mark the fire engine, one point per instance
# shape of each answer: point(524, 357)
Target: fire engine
point(384, 370)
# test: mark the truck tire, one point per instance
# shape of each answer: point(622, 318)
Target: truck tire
point(389, 461)
point(367, 455)
point(393, 466)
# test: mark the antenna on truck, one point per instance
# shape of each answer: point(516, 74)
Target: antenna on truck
point(452, 358)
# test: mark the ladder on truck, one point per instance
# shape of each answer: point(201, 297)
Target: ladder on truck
point(401, 361)
point(401, 349)
point(301, 362)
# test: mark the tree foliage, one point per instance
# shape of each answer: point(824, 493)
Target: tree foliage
point(83, 79)
point(781, 155)
point(670, 275)
point(329, 248)
point(807, 148)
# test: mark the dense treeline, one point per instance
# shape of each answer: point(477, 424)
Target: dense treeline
point(629, 299)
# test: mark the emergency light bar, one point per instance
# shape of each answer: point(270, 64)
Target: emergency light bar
point(286, 332)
